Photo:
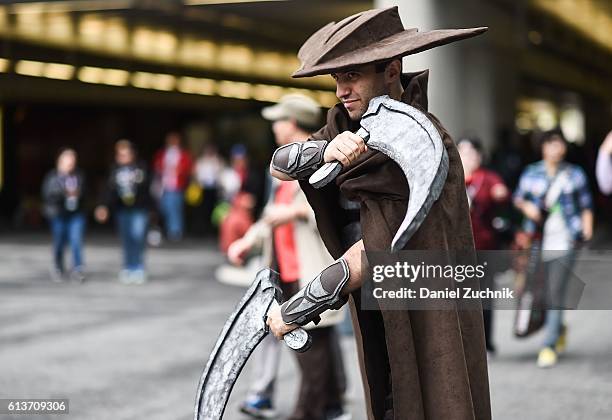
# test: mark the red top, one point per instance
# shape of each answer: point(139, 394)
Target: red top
point(284, 237)
point(482, 206)
point(182, 172)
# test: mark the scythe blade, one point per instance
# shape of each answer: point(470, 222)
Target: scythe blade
point(242, 332)
point(407, 136)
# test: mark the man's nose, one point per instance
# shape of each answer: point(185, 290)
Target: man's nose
point(342, 90)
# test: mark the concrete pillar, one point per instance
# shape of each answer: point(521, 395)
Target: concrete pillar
point(472, 83)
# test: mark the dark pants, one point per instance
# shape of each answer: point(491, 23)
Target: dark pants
point(320, 387)
point(132, 224)
point(322, 371)
point(68, 229)
point(558, 274)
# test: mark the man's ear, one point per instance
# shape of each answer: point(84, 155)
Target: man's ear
point(393, 71)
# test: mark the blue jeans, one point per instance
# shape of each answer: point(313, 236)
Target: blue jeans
point(132, 224)
point(171, 206)
point(68, 229)
point(558, 274)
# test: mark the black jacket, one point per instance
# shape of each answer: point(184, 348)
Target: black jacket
point(62, 194)
point(128, 187)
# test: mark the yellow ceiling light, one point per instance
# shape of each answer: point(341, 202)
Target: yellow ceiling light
point(165, 82)
point(142, 79)
point(143, 42)
point(3, 18)
point(269, 63)
point(90, 74)
point(4, 65)
point(237, 90)
point(267, 93)
point(236, 58)
point(154, 44)
point(592, 18)
point(197, 52)
point(58, 71)
point(155, 81)
point(201, 2)
point(92, 30)
point(30, 25)
point(30, 68)
point(115, 77)
point(165, 45)
point(58, 26)
point(196, 85)
point(112, 77)
point(187, 84)
point(71, 6)
point(116, 35)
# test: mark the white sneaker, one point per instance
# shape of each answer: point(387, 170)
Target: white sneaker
point(125, 277)
point(138, 277)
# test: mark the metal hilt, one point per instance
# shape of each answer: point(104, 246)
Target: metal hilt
point(325, 174)
point(298, 340)
point(328, 172)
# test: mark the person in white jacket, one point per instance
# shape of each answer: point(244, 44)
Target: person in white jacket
point(291, 245)
point(603, 170)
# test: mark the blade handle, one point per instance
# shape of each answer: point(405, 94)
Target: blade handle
point(328, 172)
point(298, 340)
point(325, 174)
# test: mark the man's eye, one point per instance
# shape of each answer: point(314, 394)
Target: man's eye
point(352, 76)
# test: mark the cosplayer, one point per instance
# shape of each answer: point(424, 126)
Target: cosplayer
point(416, 364)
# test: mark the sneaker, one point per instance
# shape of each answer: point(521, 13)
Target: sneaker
point(547, 358)
point(56, 275)
point(561, 343)
point(338, 414)
point(138, 277)
point(78, 276)
point(259, 408)
point(125, 277)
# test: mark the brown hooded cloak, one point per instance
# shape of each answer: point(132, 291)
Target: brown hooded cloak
point(415, 364)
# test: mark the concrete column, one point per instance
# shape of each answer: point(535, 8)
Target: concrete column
point(472, 83)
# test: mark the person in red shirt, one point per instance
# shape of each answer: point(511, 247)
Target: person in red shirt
point(486, 191)
point(172, 166)
point(292, 246)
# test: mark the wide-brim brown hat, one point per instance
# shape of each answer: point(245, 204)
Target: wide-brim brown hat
point(372, 36)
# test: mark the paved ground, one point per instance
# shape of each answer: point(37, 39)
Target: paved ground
point(136, 352)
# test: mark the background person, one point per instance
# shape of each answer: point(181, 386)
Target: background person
point(603, 169)
point(486, 191)
point(62, 195)
point(292, 246)
point(207, 171)
point(127, 194)
point(172, 166)
point(555, 199)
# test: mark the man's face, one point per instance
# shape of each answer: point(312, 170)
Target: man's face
point(124, 156)
point(554, 150)
point(66, 162)
point(283, 131)
point(470, 157)
point(355, 88)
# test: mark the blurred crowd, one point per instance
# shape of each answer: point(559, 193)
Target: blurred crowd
point(147, 202)
point(549, 206)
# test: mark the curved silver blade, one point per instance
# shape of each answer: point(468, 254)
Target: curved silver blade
point(407, 136)
point(242, 332)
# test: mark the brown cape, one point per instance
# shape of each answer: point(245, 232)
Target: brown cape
point(432, 364)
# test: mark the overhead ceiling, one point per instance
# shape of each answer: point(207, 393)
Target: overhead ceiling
point(243, 50)
point(592, 18)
